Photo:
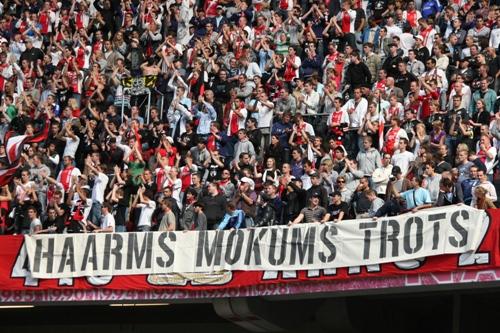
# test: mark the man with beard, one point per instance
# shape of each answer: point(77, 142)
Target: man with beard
point(245, 199)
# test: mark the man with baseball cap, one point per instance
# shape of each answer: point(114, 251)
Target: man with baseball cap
point(420, 49)
point(245, 199)
point(317, 189)
point(338, 210)
point(313, 213)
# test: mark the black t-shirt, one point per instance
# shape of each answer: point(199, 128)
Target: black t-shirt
point(190, 139)
point(481, 118)
point(115, 156)
point(63, 95)
point(378, 7)
point(255, 137)
point(58, 222)
point(403, 81)
point(128, 189)
point(408, 126)
point(423, 54)
point(214, 171)
point(221, 90)
point(335, 210)
point(360, 14)
point(448, 119)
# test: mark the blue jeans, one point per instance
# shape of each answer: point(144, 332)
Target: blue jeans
point(249, 222)
point(95, 213)
point(120, 228)
point(451, 143)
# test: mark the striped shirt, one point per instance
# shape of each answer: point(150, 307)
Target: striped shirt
point(313, 214)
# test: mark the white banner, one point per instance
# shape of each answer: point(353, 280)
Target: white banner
point(446, 230)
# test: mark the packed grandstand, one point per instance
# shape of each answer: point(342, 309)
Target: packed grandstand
point(200, 115)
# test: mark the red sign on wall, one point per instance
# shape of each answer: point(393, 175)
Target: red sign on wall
point(16, 284)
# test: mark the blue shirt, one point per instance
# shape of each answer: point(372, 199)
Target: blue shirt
point(280, 129)
point(297, 169)
point(415, 198)
point(233, 220)
point(431, 8)
point(206, 118)
point(467, 186)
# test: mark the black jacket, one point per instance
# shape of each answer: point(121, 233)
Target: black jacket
point(456, 197)
point(358, 75)
point(275, 152)
point(215, 207)
point(390, 65)
point(294, 201)
point(423, 54)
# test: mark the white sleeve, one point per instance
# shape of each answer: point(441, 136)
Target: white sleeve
point(126, 149)
point(111, 221)
point(54, 159)
point(492, 192)
point(256, 69)
point(402, 134)
point(76, 172)
point(103, 177)
point(309, 129)
point(298, 61)
point(345, 118)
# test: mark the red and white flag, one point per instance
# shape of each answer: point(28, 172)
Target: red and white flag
point(15, 144)
point(41, 135)
point(7, 173)
point(14, 147)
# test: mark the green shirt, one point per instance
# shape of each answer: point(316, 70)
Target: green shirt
point(11, 112)
point(136, 169)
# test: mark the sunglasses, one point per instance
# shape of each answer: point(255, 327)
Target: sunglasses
point(340, 181)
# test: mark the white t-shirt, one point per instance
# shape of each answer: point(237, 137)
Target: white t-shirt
point(108, 221)
point(488, 163)
point(310, 105)
point(403, 160)
point(100, 182)
point(432, 185)
point(491, 192)
point(358, 109)
point(252, 70)
point(21, 190)
point(71, 146)
point(393, 30)
point(146, 213)
point(406, 42)
point(35, 223)
point(265, 115)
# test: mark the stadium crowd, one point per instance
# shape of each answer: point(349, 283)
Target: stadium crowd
point(248, 113)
